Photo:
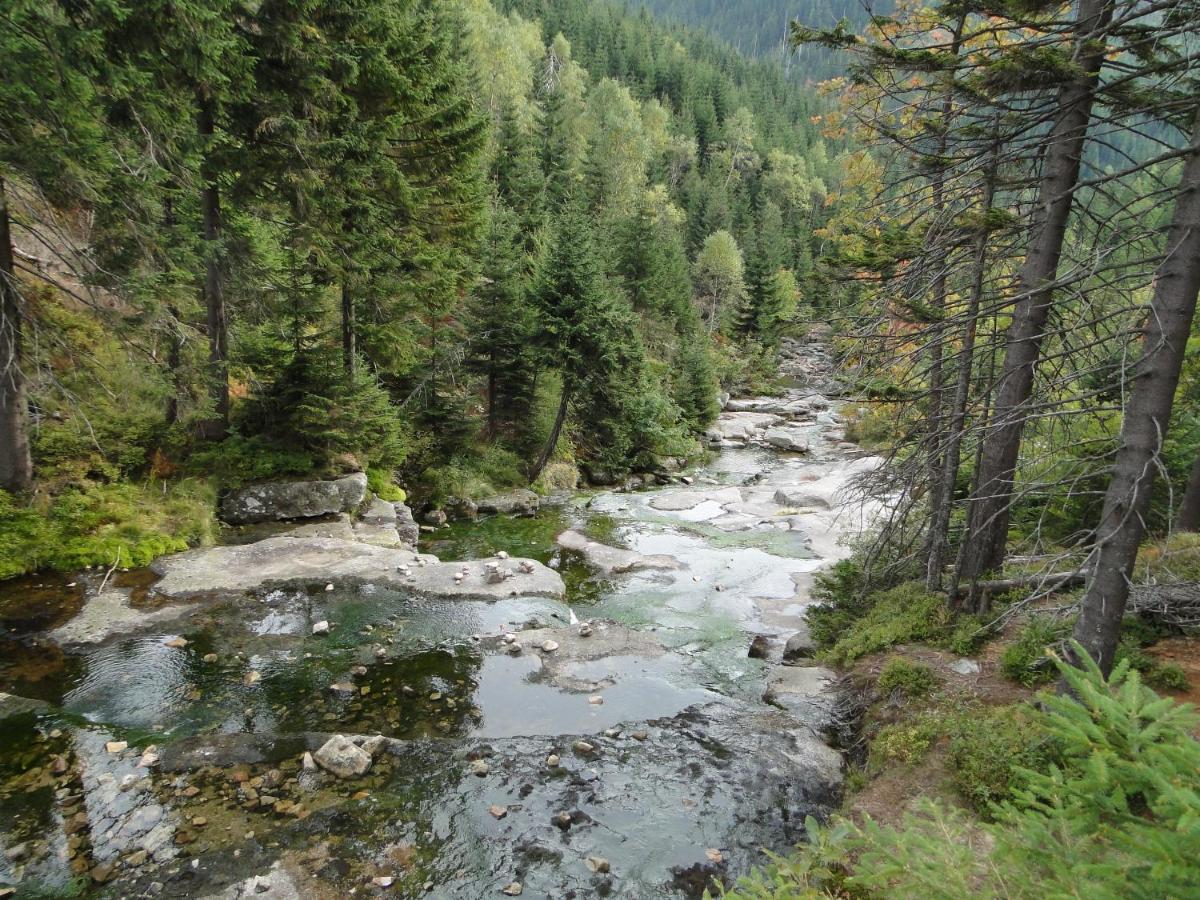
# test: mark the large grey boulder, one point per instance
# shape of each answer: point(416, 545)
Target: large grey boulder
point(406, 525)
point(521, 502)
point(280, 500)
point(799, 646)
point(802, 497)
point(380, 512)
point(787, 440)
point(343, 757)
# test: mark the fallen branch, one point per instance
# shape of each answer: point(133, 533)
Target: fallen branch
point(1045, 584)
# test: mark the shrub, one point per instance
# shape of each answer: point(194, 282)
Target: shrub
point(1025, 659)
point(239, 460)
point(901, 743)
point(842, 599)
point(1168, 677)
point(968, 635)
point(903, 614)
point(910, 679)
point(988, 749)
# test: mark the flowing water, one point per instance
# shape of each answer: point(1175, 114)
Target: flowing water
point(686, 773)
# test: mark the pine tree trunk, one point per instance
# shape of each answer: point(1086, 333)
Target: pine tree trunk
point(175, 365)
point(175, 346)
point(492, 424)
point(349, 333)
point(213, 294)
point(940, 491)
point(988, 513)
point(938, 549)
point(559, 419)
point(1147, 420)
point(16, 465)
point(1189, 508)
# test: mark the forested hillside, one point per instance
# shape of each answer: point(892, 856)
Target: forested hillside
point(463, 245)
point(763, 27)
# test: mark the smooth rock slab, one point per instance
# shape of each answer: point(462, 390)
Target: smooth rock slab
point(614, 560)
point(277, 501)
point(284, 561)
point(805, 693)
point(109, 613)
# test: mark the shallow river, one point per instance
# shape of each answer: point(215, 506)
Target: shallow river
point(685, 772)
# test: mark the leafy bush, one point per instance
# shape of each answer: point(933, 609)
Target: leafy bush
point(1117, 815)
point(1168, 677)
point(903, 614)
point(968, 634)
point(988, 749)
point(842, 599)
point(490, 470)
point(1025, 659)
point(910, 679)
point(901, 743)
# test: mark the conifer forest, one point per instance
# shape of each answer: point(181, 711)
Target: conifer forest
point(600, 448)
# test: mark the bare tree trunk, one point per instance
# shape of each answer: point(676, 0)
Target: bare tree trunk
point(559, 419)
point(988, 513)
point(349, 333)
point(1147, 419)
point(213, 291)
point(1189, 508)
point(16, 464)
point(940, 491)
point(939, 529)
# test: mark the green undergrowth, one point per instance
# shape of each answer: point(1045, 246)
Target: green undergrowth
point(122, 524)
point(1095, 794)
point(848, 623)
point(1025, 658)
point(983, 747)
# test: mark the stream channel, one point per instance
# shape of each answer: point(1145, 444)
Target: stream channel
point(679, 758)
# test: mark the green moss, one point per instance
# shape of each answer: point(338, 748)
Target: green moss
point(123, 524)
point(911, 679)
point(381, 484)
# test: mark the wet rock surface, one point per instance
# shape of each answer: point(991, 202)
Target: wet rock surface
point(321, 715)
point(287, 560)
point(614, 560)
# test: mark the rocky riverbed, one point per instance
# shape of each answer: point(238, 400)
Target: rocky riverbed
point(573, 711)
